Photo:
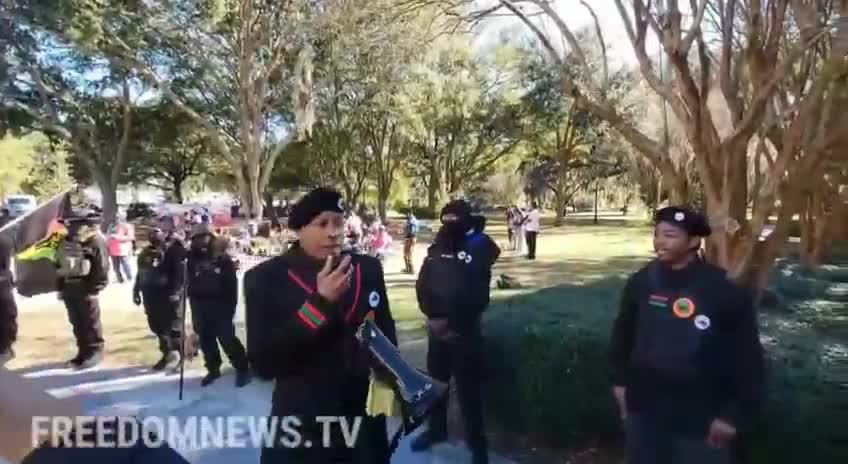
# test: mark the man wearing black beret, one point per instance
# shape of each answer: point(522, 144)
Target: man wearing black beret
point(303, 309)
point(686, 354)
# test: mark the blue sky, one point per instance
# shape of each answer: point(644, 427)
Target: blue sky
point(576, 17)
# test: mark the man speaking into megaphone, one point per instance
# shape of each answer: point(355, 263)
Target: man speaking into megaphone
point(304, 309)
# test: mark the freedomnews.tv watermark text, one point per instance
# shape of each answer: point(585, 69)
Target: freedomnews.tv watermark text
point(194, 432)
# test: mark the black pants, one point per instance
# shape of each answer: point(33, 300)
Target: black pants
point(462, 360)
point(307, 398)
point(371, 446)
point(8, 318)
point(655, 440)
point(84, 316)
point(164, 320)
point(531, 243)
point(214, 325)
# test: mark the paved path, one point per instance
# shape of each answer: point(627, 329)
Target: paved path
point(137, 392)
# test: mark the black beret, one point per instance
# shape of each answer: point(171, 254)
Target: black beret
point(460, 208)
point(314, 203)
point(691, 221)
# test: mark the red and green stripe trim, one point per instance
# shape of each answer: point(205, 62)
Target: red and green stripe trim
point(311, 316)
point(658, 300)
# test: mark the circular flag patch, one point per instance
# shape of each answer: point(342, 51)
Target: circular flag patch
point(702, 322)
point(374, 299)
point(683, 308)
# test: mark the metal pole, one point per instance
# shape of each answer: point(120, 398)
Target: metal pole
point(183, 299)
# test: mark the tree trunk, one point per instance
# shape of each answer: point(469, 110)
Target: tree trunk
point(808, 232)
point(251, 195)
point(382, 203)
point(561, 200)
point(109, 194)
point(434, 187)
point(272, 212)
point(177, 190)
point(595, 219)
point(818, 226)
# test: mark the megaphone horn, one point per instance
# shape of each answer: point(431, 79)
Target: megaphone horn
point(419, 392)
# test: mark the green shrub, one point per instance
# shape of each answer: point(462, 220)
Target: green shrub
point(551, 380)
point(793, 282)
point(549, 377)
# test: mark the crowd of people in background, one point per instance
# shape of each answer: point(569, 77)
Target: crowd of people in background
point(523, 228)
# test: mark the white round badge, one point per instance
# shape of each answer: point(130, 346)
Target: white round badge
point(467, 259)
point(702, 322)
point(341, 203)
point(461, 255)
point(679, 216)
point(374, 299)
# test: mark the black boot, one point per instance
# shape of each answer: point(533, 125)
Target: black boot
point(89, 361)
point(168, 362)
point(74, 362)
point(210, 377)
point(426, 440)
point(160, 364)
point(243, 378)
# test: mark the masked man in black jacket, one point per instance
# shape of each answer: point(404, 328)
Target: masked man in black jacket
point(8, 308)
point(303, 309)
point(159, 284)
point(686, 352)
point(213, 292)
point(83, 263)
point(453, 291)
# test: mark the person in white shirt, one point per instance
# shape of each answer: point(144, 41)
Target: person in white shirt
point(353, 228)
point(517, 225)
point(531, 230)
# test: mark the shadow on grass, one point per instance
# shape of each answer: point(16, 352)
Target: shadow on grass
point(545, 273)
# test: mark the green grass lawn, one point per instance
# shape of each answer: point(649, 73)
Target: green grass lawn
point(576, 253)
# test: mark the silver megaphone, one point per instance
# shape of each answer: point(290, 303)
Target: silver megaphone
point(419, 392)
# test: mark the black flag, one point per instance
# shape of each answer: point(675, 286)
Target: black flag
point(35, 238)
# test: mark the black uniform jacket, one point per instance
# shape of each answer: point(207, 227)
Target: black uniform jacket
point(212, 277)
point(161, 271)
point(306, 343)
point(96, 252)
point(463, 306)
point(686, 342)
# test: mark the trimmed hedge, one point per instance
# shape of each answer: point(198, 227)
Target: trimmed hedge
point(549, 377)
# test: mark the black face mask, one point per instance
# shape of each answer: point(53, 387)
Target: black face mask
point(201, 244)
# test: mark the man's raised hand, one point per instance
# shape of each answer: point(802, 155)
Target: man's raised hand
point(332, 283)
